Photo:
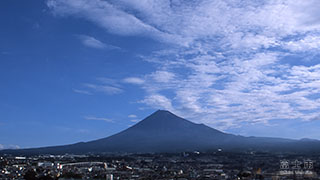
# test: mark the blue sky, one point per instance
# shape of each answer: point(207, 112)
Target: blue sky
point(78, 70)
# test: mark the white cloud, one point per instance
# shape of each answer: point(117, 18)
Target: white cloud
point(135, 120)
point(107, 16)
point(253, 23)
point(92, 42)
point(162, 76)
point(158, 101)
point(134, 80)
point(95, 43)
point(82, 91)
point(132, 116)
point(107, 89)
point(98, 119)
point(230, 60)
point(104, 85)
point(108, 81)
point(308, 43)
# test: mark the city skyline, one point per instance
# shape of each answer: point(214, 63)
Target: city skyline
point(79, 70)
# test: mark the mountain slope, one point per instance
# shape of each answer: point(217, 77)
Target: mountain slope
point(165, 132)
point(162, 131)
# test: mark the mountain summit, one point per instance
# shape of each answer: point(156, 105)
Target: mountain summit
point(163, 131)
point(163, 121)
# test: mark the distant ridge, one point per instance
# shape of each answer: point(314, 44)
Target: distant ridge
point(163, 131)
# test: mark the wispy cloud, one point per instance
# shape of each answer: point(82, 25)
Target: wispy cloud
point(110, 90)
point(108, 16)
point(133, 80)
point(92, 42)
point(232, 63)
point(82, 91)
point(135, 120)
point(98, 119)
point(104, 85)
point(109, 81)
point(132, 116)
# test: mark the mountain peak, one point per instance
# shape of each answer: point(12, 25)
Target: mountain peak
point(163, 113)
point(161, 119)
point(160, 111)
